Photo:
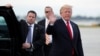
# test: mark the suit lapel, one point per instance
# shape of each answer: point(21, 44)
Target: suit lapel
point(24, 30)
point(74, 30)
point(43, 22)
point(35, 30)
point(65, 31)
point(74, 34)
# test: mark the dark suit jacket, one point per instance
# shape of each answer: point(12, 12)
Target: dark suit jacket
point(62, 44)
point(42, 22)
point(47, 48)
point(38, 37)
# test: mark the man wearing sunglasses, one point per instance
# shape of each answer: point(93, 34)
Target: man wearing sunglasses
point(48, 38)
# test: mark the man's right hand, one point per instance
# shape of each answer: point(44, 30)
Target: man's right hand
point(8, 5)
point(26, 45)
point(47, 39)
point(52, 18)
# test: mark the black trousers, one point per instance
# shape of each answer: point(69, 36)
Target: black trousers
point(27, 53)
point(47, 49)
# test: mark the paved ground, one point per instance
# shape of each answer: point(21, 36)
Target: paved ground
point(91, 41)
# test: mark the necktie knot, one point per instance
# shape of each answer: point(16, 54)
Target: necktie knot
point(67, 22)
point(30, 26)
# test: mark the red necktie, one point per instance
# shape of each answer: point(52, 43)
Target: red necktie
point(70, 33)
point(69, 29)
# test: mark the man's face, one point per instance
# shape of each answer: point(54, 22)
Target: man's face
point(48, 12)
point(31, 18)
point(66, 13)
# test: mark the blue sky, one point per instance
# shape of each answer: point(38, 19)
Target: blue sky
point(80, 7)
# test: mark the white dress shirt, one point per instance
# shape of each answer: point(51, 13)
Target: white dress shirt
point(70, 27)
point(46, 25)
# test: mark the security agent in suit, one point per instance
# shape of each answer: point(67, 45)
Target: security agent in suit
point(44, 23)
point(64, 43)
point(32, 47)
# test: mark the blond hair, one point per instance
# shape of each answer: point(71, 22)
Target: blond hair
point(65, 6)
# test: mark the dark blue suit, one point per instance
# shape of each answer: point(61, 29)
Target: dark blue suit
point(38, 38)
point(46, 48)
point(62, 44)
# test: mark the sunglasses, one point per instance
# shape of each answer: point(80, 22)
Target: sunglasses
point(47, 11)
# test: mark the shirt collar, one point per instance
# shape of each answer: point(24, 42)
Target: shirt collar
point(46, 18)
point(30, 25)
point(65, 21)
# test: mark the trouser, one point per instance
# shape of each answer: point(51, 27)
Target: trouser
point(27, 53)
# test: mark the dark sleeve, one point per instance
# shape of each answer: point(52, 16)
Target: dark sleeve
point(17, 42)
point(39, 23)
point(50, 29)
point(41, 35)
point(79, 44)
point(24, 28)
point(42, 22)
point(21, 27)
